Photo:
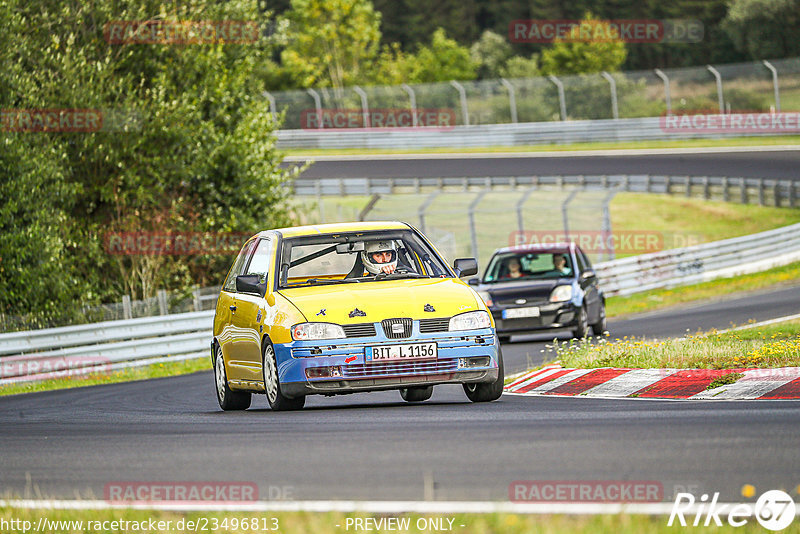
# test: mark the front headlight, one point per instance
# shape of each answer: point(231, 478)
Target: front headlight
point(486, 297)
point(561, 294)
point(470, 321)
point(309, 331)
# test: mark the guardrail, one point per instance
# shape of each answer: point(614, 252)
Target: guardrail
point(700, 263)
point(762, 191)
point(527, 133)
point(101, 347)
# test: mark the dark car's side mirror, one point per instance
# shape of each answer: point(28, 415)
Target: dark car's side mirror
point(588, 275)
point(465, 267)
point(474, 282)
point(251, 283)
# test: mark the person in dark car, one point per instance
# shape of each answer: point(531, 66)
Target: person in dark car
point(514, 269)
point(560, 265)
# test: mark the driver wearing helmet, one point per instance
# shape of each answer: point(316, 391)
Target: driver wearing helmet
point(379, 257)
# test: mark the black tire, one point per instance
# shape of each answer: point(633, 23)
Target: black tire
point(581, 330)
point(601, 325)
point(417, 394)
point(489, 391)
point(272, 385)
point(228, 399)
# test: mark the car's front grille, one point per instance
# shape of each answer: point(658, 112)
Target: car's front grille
point(428, 326)
point(390, 327)
point(399, 368)
point(359, 330)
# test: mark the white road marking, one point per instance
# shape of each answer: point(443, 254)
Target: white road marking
point(752, 385)
point(630, 382)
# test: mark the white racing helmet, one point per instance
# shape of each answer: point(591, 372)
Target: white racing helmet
point(378, 246)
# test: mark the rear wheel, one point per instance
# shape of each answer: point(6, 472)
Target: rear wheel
point(417, 394)
point(272, 386)
point(227, 398)
point(600, 326)
point(490, 391)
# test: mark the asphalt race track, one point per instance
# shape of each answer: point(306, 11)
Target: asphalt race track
point(758, 163)
point(374, 446)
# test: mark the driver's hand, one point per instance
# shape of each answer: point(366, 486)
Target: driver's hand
point(388, 269)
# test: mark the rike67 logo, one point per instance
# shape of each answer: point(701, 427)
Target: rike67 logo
point(774, 510)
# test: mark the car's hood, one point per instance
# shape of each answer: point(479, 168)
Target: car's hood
point(384, 300)
point(529, 290)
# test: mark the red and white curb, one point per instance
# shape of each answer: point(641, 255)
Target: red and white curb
point(611, 382)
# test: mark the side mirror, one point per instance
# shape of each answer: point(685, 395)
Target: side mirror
point(474, 281)
point(465, 267)
point(588, 275)
point(251, 283)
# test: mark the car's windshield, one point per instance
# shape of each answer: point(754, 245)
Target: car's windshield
point(508, 266)
point(357, 257)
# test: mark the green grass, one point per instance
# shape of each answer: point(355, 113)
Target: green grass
point(664, 298)
point(181, 367)
point(688, 143)
point(761, 347)
point(326, 523)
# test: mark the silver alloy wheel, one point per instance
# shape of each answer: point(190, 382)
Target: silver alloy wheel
point(270, 374)
point(219, 375)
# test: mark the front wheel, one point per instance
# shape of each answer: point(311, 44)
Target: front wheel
point(490, 391)
point(228, 399)
point(417, 394)
point(581, 330)
point(272, 386)
point(600, 326)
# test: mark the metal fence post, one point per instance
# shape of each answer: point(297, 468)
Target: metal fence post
point(726, 196)
point(613, 85)
point(364, 106)
point(564, 212)
point(463, 96)
point(423, 208)
point(774, 72)
point(562, 101)
point(706, 189)
point(127, 311)
point(198, 306)
point(761, 192)
point(317, 105)
point(743, 197)
point(162, 302)
point(717, 76)
point(667, 97)
point(273, 108)
point(412, 97)
point(512, 99)
point(472, 230)
point(606, 228)
point(520, 205)
point(688, 186)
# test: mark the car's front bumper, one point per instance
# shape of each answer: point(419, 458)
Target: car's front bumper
point(552, 316)
point(462, 357)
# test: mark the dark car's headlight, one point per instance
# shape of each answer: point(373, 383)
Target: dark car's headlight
point(310, 331)
point(470, 321)
point(486, 297)
point(561, 294)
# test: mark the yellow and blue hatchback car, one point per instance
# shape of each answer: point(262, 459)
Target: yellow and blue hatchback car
point(345, 308)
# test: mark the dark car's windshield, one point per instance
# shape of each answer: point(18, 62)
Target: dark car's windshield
point(357, 257)
point(509, 266)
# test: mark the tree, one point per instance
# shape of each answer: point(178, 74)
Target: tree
point(331, 41)
point(186, 144)
point(603, 53)
point(764, 28)
point(444, 59)
point(490, 53)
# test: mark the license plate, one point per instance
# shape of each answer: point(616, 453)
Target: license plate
point(390, 353)
point(519, 313)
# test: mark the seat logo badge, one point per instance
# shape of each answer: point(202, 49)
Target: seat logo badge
point(322, 311)
point(357, 313)
point(520, 301)
point(429, 308)
point(397, 329)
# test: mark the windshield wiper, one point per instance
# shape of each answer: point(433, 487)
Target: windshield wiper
point(396, 275)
